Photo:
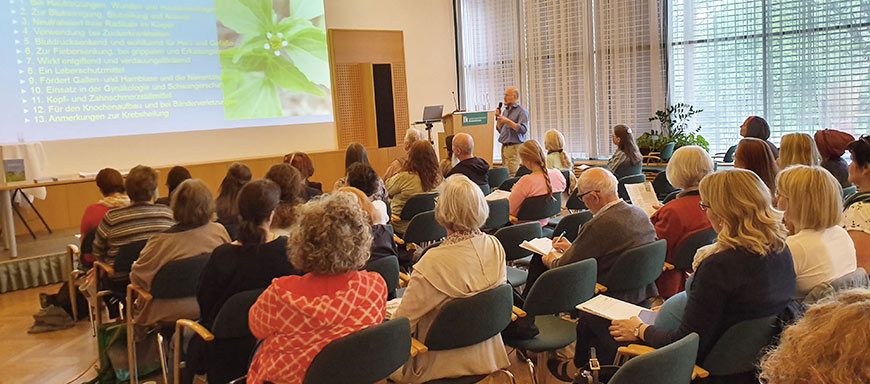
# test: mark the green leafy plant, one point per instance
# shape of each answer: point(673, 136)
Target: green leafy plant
point(288, 54)
point(674, 122)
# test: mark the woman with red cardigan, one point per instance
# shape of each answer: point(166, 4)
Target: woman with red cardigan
point(681, 217)
point(111, 185)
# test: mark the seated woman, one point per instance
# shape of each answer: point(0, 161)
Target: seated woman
point(303, 163)
point(832, 145)
point(681, 217)
point(227, 211)
point(447, 163)
point(363, 177)
point(755, 155)
point(468, 262)
point(541, 182)
point(195, 234)
point(176, 175)
point(554, 143)
point(382, 239)
point(419, 175)
point(805, 355)
point(356, 153)
point(756, 127)
point(812, 203)
point(627, 156)
point(856, 218)
point(111, 185)
point(292, 194)
point(798, 148)
point(748, 275)
point(298, 315)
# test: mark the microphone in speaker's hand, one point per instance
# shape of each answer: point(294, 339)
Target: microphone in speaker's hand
point(498, 110)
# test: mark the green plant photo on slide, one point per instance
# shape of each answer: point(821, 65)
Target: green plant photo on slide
point(274, 59)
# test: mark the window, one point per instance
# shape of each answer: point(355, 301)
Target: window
point(803, 65)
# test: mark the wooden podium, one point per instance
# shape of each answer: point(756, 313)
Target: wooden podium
point(481, 127)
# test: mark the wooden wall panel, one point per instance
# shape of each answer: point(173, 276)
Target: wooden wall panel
point(400, 100)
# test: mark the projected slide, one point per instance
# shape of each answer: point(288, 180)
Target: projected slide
point(93, 68)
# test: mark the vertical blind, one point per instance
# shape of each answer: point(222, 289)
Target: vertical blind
point(804, 65)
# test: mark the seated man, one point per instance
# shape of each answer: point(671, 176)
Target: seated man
point(475, 168)
point(616, 226)
point(411, 135)
point(138, 221)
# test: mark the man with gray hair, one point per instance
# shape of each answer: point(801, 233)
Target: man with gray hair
point(475, 168)
point(411, 135)
point(513, 129)
point(616, 226)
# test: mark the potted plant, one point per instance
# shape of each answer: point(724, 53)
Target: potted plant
point(674, 122)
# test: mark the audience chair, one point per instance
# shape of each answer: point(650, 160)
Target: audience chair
point(510, 238)
point(508, 184)
point(522, 171)
point(418, 203)
point(574, 203)
point(540, 207)
point(685, 253)
point(422, 231)
point(662, 186)
point(671, 312)
point(571, 225)
point(852, 280)
point(485, 189)
point(74, 274)
point(671, 364)
point(112, 280)
point(497, 176)
point(671, 196)
point(631, 179)
point(626, 168)
point(365, 356)
point(231, 343)
point(388, 268)
point(661, 156)
point(556, 291)
point(849, 191)
point(499, 215)
point(726, 157)
point(635, 269)
point(465, 322)
point(173, 281)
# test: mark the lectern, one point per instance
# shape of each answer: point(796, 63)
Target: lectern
point(481, 127)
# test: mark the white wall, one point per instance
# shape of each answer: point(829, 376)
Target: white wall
point(430, 61)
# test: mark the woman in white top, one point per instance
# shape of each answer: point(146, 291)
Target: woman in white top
point(812, 201)
point(856, 218)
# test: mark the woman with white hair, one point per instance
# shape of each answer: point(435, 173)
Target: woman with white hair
point(681, 217)
point(468, 262)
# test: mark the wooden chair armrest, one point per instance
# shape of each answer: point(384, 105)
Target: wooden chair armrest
point(194, 326)
point(517, 313)
point(395, 217)
point(398, 239)
point(417, 347)
point(600, 288)
point(667, 267)
point(699, 373)
point(404, 279)
point(632, 350)
point(106, 268)
point(133, 288)
point(513, 219)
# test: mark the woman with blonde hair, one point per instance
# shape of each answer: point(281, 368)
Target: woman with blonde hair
point(748, 275)
point(541, 182)
point(812, 202)
point(681, 217)
point(827, 345)
point(554, 142)
point(468, 262)
point(296, 316)
point(798, 148)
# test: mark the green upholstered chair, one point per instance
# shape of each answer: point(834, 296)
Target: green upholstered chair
point(510, 238)
point(635, 268)
point(671, 364)
point(630, 179)
point(497, 176)
point(508, 184)
point(423, 228)
point(739, 349)
point(685, 253)
point(849, 191)
point(499, 214)
point(485, 189)
point(418, 203)
point(571, 225)
point(388, 268)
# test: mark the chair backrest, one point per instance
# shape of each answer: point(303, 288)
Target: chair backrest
point(522, 171)
point(740, 347)
point(567, 175)
point(575, 283)
point(855, 279)
point(127, 254)
point(424, 228)
point(388, 268)
point(178, 278)
point(671, 364)
point(468, 321)
point(508, 184)
point(636, 268)
point(511, 237)
point(729, 154)
point(849, 191)
point(420, 202)
point(232, 319)
point(571, 224)
point(626, 168)
point(667, 151)
point(497, 176)
point(574, 203)
point(630, 179)
point(662, 186)
point(485, 189)
point(685, 253)
point(671, 312)
point(540, 207)
point(499, 214)
point(365, 356)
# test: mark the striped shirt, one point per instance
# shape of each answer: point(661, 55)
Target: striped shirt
point(127, 225)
